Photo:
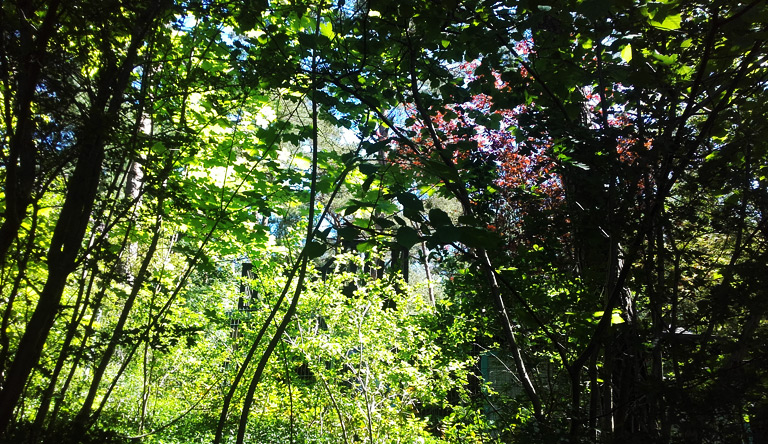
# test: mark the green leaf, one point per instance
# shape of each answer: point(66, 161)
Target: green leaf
point(351, 209)
point(615, 316)
point(479, 238)
point(369, 169)
point(314, 249)
point(407, 237)
point(439, 217)
point(413, 215)
point(445, 235)
point(159, 148)
point(366, 246)
point(386, 207)
point(368, 181)
point(469, 220)
point(372, 148)
point(261, 36)
point(326, 29)
point(626, 53)
point(409, 201)
point(348, 232)
point(670, 23)
point(665, 59)
point(383, 223)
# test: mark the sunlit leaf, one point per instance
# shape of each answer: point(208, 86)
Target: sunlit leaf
point(626, 53)
point(670, 23)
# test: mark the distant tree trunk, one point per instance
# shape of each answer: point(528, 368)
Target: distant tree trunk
point(132, 192)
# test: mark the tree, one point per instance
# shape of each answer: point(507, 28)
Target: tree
point(591, 174)
point(625, 99)
point(90, 142)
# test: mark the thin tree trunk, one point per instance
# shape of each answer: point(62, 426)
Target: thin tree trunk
point(65, 352)
point(146, 371)
point(89, 330)
point(73, 219)
point(302, 257)
point(82, 418)
point(509, 332)
point(5, 345)
point(65, 245)
point(20, 179)
point(145, 388)
point(594, 400)
point(77, 315)
point(428, 273)
point(574, 374)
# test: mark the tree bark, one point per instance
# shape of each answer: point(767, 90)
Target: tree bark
point(22, 159)
point(73, 219)
point(65, 245)
point(83, 417)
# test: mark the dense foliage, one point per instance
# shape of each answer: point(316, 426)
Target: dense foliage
point(383, 221)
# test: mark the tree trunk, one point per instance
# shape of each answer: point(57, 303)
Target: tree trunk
point(509, 333)
point(73, 219)
point(78, 311)
point(82, 418)
point(5, 345)
point(65, 245)
point(20, 179)
point(66, 349)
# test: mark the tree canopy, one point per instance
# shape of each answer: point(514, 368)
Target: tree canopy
point(383, 221)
